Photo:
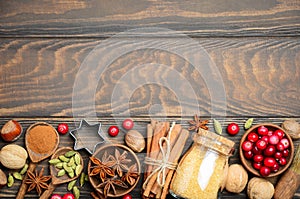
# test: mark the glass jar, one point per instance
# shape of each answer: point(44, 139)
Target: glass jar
point(200, 172)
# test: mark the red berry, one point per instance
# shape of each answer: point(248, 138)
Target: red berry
point(113, 131)
point(278, 155)
point(280, 146)
point(128, 124)
point(279, 133)
point(270, 133)
point(262, 130)
point(261, 144)
point(56, 196)
point(274, 139)
point(282, 161)
point(265, 171)
point(270, 150)
point(63, 128)
point(285, 153)
point(252, 137)
point(257, 165)
point(285, 142)
point(269, 162)
point(68, 196)
point(248, 154)
point(233, 128)
point(256, 151)
point(127, 196)
point(247, 146)
point(258, 158)
point(265, 138)
point(275, 167)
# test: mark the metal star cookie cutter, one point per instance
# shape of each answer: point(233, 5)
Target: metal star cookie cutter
point(87, 136)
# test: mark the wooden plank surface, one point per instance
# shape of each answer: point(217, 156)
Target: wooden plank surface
point(67, 140)
point(83, 18)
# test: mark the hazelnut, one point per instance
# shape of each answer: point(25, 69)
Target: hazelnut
point(135, 140)
point(237, 178)
point(11, 131)
point(259, 188)
point(292, 127)
point(13, 156)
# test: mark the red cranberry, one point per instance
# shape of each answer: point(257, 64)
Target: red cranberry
point(274, 139)
point(256, 151)
point(248, 154)
point(277, 155)
point(269, 162)
point(279, 133)
point(247, 146)
point(252, 137)
point(285, 142)
point(261, 144)
point(127, 196)
point(113, 131)
point(275, 167)
point(265, 138)
point(270, 150)
point(257, 165)
point(265, 171)
point(282, 161)
point(63, 128)
point(56, 196)
point(128, 124)
point(285, 153)
point(280, 146)
point(262, 130)
point(68, 196)
point(233, 128)
point(258, 158)
point(270, 133)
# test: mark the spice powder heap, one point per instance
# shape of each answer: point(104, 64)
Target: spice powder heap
point(41, 139)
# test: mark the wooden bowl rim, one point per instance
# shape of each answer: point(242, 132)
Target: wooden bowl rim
point(251, 169)
point(136, 160)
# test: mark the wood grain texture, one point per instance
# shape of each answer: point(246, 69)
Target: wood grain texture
point(83, 18)
point(261, 77)
point(67, 141)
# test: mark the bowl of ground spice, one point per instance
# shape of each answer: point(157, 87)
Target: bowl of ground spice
point(41, 140)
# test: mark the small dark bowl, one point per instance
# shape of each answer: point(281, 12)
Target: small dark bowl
point(110, 149)
point(248, 163)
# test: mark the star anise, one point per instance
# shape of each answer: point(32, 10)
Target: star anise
point(101, 168)
point(131, 176)
point(120, 162)
point(37, 180)
point(109, 184)
point(197, 123)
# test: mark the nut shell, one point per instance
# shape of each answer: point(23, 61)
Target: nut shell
point(11, 131)
point(3, 179)
point(292, 127)
point(259, 188)
point(13, 156)
point(135, 140)
point(237, 178)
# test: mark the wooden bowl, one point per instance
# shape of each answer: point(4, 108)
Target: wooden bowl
point(110, 150)
point(248, 163)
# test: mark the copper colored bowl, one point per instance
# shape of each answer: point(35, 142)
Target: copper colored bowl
point(248, 163)
point(110, 150)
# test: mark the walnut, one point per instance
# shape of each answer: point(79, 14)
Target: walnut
point(13, 156)
point(237, 178)
point(292, 127)
point(259, 188)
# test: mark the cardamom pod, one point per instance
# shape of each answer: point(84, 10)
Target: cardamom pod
point(86, 178)
point(70, 154)
point(59, 165)
point(71, 185)
point(248, 123)
point(10, 180)
point(68, 169)
point(78, 169)
point(73, 167)
point(24, 169)
point(17, 176)
point(63, 158)
point(76, 192)
point(71, 174)
point(61, 172)
point(217, 127)
point(54, 161)
point(71, 162)
point(82, 179)
point(77, 159)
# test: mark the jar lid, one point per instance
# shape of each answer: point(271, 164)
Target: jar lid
point(213, 141)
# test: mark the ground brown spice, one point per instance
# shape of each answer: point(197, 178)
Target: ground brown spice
point(41, 139)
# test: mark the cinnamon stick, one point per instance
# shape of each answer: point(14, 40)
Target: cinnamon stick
point(150, 128)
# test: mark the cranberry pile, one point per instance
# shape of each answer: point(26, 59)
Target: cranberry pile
point(268, 150)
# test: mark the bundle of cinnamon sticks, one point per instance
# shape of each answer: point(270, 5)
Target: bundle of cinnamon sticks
point(156, 184)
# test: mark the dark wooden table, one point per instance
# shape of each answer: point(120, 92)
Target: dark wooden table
point(254, 46)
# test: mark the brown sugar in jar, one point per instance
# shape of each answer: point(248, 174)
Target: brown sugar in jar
point(41, 138)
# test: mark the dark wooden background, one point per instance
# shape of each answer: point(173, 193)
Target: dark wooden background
point(254, 44)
